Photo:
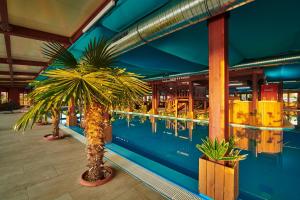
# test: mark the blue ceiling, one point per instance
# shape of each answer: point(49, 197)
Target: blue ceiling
point(259, 29)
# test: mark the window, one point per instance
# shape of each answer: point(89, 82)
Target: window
point(23, 99)
point(4, 97)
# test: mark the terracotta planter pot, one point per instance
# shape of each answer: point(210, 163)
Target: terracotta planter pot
point(44, 123)
point(98, 182)
point(218, 181)
point(39, 123)
point(49, 137)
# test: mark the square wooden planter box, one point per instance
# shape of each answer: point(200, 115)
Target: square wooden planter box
point(218, 181)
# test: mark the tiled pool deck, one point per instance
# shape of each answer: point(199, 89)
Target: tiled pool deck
point(32, 168)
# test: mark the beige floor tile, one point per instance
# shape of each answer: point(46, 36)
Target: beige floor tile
point(34, 169)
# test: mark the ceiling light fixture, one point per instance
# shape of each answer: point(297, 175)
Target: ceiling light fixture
point(99, 15)
point(235, 84)
point(243, 88)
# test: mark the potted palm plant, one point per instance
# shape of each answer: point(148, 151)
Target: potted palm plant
point(219, 169)
point(37, 111)
point(97, 85)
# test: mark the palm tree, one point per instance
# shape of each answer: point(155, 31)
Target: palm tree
point(40, 111)
point(93, 82)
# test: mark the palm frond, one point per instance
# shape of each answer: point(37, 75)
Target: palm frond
point(132, 88)
point(99, 54)
point(36, 112)
point(59, 55)
point(66, 83)
point(92, 80)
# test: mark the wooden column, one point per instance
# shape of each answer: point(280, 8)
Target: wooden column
point(252, 117)
point(218, 77)
point(254, 93)
point(298, 100)
point(14, 95)
point(71, 117)
point(280, 92)
point(298, 107)
point(176, 107)
point(205, 105)
point(191, 100)
point(154, 99)
point(288, 99)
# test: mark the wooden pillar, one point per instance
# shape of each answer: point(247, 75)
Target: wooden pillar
point(71, 117)
point(298, 100)
point(254, 93)
point(154, 99)
point(191, 100)
point(253, 118)
point(205, 104)
point(14, 95)
point(298, 107)
point(176, 107)
point(280, 92)
point(218, 77)
point(288, 99)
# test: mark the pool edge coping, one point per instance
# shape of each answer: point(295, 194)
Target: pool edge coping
point(207, 122)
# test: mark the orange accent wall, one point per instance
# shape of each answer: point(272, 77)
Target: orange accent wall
point(269, 92)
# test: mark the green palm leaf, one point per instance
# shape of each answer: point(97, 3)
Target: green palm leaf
point(59, 55)
point(99, 54)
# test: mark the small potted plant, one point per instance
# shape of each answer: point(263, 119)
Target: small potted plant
point(219, 168)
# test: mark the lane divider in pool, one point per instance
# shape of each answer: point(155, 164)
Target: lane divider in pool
point(206, 121)
point(152, 180)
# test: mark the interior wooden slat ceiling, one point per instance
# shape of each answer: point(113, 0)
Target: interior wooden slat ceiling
point(26, 25)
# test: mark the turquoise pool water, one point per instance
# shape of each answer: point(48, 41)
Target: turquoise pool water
point(167, 147)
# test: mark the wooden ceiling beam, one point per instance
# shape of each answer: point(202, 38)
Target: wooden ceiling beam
point(24, 32)
point(3, 11)
point(4, 24)
point(9, 29)
point(19, 73)
point(8, 52)
point(24, 62)
point(14, 86)
point(16, 79)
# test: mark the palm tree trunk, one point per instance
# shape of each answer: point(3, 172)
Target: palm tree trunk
point(45, 119)
point(55, 122)
point(95, 138)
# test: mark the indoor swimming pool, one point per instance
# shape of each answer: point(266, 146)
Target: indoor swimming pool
point(167, 147)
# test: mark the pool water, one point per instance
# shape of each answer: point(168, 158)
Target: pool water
point(271, 170)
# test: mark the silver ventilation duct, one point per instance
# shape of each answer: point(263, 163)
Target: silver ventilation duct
point(172, 17)
point(262, 63)
point(273, 61)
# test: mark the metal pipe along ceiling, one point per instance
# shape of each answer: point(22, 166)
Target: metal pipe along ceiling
point(172, 17)
point(293, 58)
point(273, 61)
